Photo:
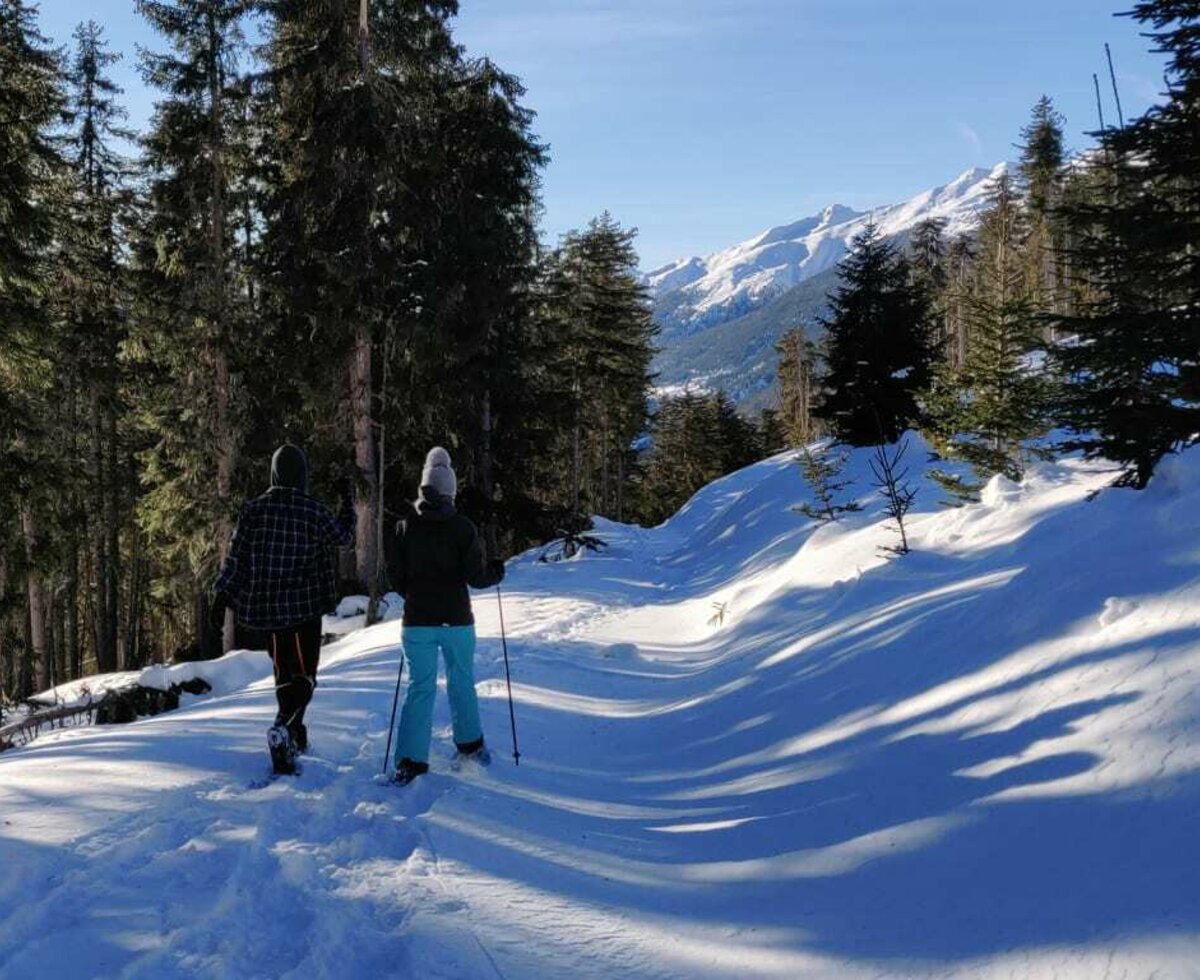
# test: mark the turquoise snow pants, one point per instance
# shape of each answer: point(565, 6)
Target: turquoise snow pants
point(421, 645)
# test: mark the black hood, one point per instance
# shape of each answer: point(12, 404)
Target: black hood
point(289, 468)
point(432, 506)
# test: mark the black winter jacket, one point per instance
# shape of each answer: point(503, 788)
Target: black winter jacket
point(435, 556)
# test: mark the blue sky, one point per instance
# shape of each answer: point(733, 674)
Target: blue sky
point(702, 122)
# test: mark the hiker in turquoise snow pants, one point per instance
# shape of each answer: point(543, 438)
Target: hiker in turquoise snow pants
point(436, 556)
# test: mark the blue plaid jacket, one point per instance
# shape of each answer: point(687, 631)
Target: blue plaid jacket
point(282, 565)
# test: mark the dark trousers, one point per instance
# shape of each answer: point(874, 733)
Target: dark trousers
point(296, 654)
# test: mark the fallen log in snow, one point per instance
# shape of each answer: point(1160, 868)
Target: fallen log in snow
point(114, 707)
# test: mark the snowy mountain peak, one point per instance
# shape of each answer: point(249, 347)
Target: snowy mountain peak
point(700, 291)
point(837, 213)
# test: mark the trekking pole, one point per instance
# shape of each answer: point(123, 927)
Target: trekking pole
point(392, 724)
point(512, 715)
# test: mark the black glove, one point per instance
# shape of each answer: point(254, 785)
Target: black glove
point(216, 612)
point(496, 569)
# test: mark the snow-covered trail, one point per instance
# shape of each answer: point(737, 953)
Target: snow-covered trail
point(749, 748)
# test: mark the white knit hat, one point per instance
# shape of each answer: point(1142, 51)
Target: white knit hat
point(439, 474)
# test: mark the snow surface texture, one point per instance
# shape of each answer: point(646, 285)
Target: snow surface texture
point(732, 282)
point(978, 761)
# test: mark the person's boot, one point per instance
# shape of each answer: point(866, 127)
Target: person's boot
point(282, 749)
point(299, 735)
point(407, 770)
point(475, 751)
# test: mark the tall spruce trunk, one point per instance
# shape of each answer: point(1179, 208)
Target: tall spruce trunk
point(5, 647)
point(22, 674)
point(805, 427)
point(225, 463)
point(132, 654)
point(225, 444)
point(36, 595)
point(78, 539)
point(112, 531)
point(621, 487)
point(576, 461)
point(103, 629)
point(71, 629)
point(367, 543)
point(379, 576)
point(604, 457)
point(958, 347)
point(366, 539)
point(55, 645)
point(487, 482)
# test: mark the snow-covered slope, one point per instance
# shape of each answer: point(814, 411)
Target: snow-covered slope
point(751, 748)
point(698, 291)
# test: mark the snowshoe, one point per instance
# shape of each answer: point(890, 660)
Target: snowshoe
point(407, 771)
point(283, 750)
point(476, 752)
point(481, 756)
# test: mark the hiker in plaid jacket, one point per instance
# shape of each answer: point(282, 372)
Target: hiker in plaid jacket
point(280, 577)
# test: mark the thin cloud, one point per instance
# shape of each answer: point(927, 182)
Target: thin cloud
point(1144, 88)
point(972, 139)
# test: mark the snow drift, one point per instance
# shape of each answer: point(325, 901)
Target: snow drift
point(751, 746)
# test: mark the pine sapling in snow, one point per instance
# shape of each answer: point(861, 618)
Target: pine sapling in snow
point(961, 489)
point(823, 472)
point(571, 540)
point(891, 477)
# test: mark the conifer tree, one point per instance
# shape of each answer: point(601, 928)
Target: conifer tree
point(1042, 157)
point(927, 256)
point(400, 238)
point(996, 402)
point(30, 190)
point(30, 102)
point(1039, 180)
point(686, 454)
point(481, 245)
point(879, 348)
point(348, 107)
point(796, 386)
point(738, 439)
point(190, 339)
point(606, 336)
point(822, 471)
point(772, 437)
point(91, 297)
point(697, 437)
point(960, 280)
point(891, 479)
point(1133, 370)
